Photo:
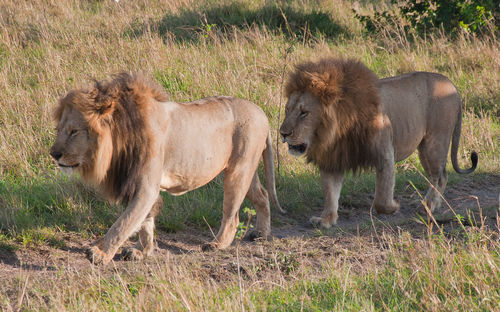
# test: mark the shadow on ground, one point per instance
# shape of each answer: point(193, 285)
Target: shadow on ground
point(470, 197)
point(466, 200)
point(47, 201)
point(205, 21)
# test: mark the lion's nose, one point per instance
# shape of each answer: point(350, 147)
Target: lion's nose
point(55, 154)
point(284, 134)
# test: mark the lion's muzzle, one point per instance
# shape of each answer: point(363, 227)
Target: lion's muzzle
point(298, 149)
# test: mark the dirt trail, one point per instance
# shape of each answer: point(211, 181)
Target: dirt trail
point(293, 235)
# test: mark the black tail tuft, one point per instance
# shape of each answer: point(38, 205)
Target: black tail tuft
point(473, 159)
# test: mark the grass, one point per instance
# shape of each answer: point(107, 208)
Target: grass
point(196, 49)
point(414, 274)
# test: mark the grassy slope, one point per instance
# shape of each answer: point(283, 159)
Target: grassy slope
point(196, 50)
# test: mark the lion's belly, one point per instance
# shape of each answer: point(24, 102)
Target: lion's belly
point(407, 112)
point(178, 185)
point(407, 135)
point(194, 168)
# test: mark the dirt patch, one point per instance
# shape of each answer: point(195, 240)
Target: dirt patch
point(295, 242)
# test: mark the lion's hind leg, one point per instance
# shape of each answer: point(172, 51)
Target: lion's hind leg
point(237, 181)
point(433, 159)
point(260, 199)
point(145, 245)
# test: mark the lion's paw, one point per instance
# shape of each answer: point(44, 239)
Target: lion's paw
point(319, 222)
point(97, 256)
point(387, 209)
point(257, 235)
point(209, 247)
point(132, 254)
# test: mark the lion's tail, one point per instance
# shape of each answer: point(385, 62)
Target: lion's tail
point(454, 147)
point(268, 158)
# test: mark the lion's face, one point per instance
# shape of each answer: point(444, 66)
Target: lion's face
point(303, 112)
point(73, 146)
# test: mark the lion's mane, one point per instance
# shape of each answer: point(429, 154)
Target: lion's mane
point(351, 112)
point(116, 113)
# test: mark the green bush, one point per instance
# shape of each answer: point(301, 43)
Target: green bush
point(428, 16)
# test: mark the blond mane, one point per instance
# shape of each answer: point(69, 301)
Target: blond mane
point(115, 111)
point(350, 117)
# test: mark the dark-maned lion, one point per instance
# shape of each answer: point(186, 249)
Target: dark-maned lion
point(343, 118)
point(125, 137)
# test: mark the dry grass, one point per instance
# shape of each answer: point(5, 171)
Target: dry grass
point(49, 47)
point(365, 272)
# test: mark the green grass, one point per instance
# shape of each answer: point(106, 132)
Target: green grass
point(33, 207)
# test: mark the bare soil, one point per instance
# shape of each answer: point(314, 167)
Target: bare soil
point(294, 241)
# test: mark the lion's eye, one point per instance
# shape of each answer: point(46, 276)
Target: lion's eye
point(73, 133)
point(303, 114)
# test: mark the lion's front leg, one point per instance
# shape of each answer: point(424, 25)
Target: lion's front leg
point(332, 185)
point(384, 189)
point(145, 245)
point(127, 224)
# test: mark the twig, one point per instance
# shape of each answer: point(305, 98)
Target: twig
point(345, 287)
point(240, 284)
point(287, 52)
point(23, 293)
point(209, 227)
point(480, 210)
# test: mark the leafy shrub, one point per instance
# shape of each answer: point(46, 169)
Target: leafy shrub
point(428, 16)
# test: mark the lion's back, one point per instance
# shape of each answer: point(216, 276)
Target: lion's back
point(247, 115)
point(417, 103)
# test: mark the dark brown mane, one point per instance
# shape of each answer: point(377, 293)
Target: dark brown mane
point(118, 109)
point(349, 96)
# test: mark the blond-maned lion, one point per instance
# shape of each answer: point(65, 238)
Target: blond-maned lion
point(343, 118)
point(125, 137)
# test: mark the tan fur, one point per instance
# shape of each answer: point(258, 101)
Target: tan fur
point(125, 137)
point(343, 118)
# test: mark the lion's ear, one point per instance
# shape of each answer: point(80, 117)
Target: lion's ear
point(104, 102)
point(324, 85)
point(316, 80)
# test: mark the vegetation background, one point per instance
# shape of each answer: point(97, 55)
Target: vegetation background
point(243, 48)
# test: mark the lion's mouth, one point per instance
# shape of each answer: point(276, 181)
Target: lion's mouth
point(68, 166)
point(297, 149)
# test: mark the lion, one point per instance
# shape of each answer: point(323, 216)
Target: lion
point(125, 137)
point(343, 118)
